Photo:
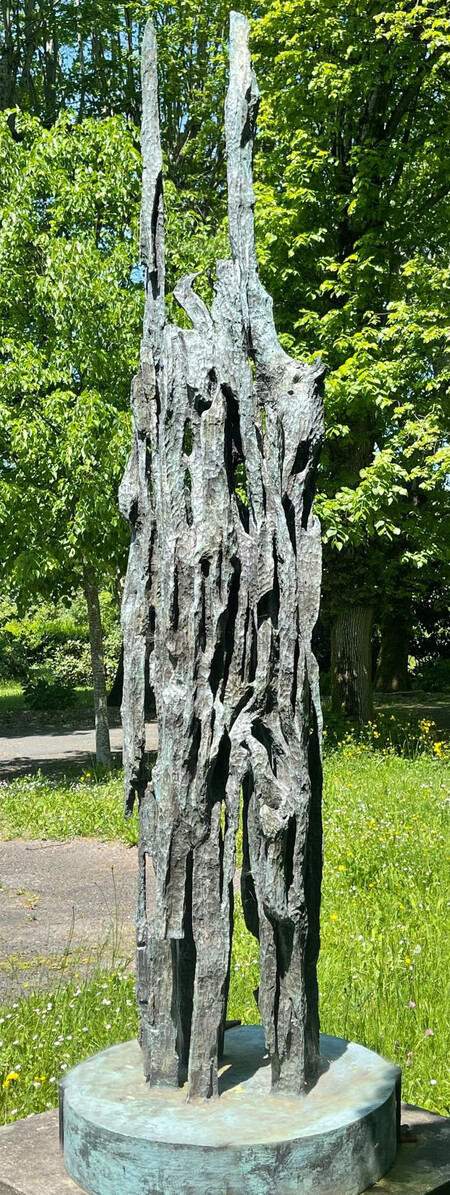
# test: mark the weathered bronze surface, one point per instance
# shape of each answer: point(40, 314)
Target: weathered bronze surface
point(223, 583)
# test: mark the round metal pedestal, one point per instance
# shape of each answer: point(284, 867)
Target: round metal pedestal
point(122, 1137)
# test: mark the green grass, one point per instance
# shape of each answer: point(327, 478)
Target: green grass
point(87, 806)
point(11, 696)
point(43, 1034)
point(384, 970)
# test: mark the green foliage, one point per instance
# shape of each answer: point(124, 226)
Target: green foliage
point(432, 674)
point(85, 58)
point(69, 319)
point(353, 218)
point(41, 694)
point(388, 733)
point(51, 640)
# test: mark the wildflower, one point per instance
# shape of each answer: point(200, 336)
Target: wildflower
point(341, 868)
point(106, 1001)
point(417, 950)
point(411, 1004)
point(26, 985)
point(407, 959)
point(11, 1078)
point(334, 917)
point(433, 1082)
point(428, 1033)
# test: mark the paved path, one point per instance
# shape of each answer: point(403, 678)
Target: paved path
point(63, 906)
point(50, 750)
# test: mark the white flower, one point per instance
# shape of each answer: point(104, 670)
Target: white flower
point(106, 1001)
point(417, 950)
point(433, 1082)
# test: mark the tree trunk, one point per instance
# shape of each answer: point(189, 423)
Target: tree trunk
point(351, 666)
point(102, 743)
point(392, 665)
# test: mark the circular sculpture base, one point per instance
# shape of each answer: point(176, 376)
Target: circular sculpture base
point(122, 1137)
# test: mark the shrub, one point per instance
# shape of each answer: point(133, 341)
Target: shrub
point(41, 694)
point(433, 675)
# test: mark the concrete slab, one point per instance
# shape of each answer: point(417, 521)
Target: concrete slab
point(63, 906)
point(31, 1162)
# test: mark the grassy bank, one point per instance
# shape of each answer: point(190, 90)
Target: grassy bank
point(384, 969)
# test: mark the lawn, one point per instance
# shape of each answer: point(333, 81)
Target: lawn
point(12, 697)
point(384, 969)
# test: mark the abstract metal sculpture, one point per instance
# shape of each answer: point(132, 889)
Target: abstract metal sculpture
point(222, 590)
point(223, 582)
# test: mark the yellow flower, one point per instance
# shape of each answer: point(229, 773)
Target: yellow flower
point(11, 1078)
point(341, 868)
point(407, 959)
point(334, 917)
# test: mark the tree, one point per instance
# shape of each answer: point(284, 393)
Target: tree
point(85, 58)
point(70, 322)
point(353, 210)
point(69, 315)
